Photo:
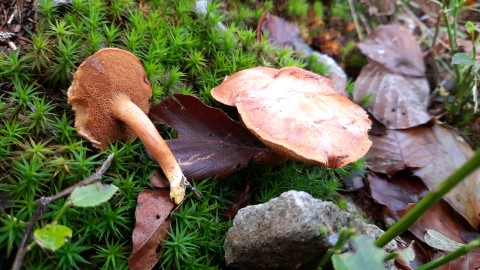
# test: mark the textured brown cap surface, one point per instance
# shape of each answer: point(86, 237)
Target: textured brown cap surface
point(99, 79)
point(300, 114)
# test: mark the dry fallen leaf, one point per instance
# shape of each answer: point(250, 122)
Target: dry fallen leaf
point(470, 261)
point(240, 200)
point(300, 114)
point(395, 100)
point(401, 149)
point(285, 34)
point(209, 144)
point(151, 225)
point(451, 153)
point(439, 241)
point(395, 48)
point(400, 193)
point(281, 32)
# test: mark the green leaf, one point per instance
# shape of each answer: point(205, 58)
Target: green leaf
point(462, 59)
point(367, 256)
point(470, 27)
point(52, 237)
point(92, 195)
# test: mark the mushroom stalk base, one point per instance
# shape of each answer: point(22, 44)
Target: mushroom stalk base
point(125, 110)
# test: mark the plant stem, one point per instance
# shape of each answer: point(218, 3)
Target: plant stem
point(91, 179)
point(430, 199)
point(43, 202)
point(452, 37)
point(343, 236)
point(62, 211)
point(451, 256)
point(24, 248)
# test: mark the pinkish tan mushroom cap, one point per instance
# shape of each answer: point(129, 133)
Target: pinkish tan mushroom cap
point(300, 114)
point(97, 82)
point(247, 79)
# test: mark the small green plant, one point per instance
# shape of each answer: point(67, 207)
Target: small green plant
point(462, 101)
point(53, 236)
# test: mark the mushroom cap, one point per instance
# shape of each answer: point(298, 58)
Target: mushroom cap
point(300, 114)
point(102, 77)
point(243, 80)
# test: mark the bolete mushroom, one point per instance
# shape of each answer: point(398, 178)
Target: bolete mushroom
point(298, 114)
point(110, 96)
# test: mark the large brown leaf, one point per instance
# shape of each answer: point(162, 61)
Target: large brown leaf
point(401, 149)
point(396, 101)
point(151, 225)
point(400, 193)
point(209, 144)
point(395, 48)
point(451, 153)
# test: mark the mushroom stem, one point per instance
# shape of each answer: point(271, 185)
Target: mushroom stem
point(125, 110)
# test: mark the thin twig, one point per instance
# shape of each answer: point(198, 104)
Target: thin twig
point(355, 19)
point(193, 189)
point(22, 250)
point(44, 201)
point(92, 178)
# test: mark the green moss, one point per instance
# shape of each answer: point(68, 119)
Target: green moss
point(41, 153)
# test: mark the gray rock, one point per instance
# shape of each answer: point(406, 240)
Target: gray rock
point(285, 233)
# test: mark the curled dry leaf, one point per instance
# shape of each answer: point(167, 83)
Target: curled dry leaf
point(299, 114)
point(151, 225)
point(401, 149)
point(396, 101)
point(209, 144)
point(395, 48)
point(451, 153)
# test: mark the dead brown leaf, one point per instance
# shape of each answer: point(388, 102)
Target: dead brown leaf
point(397, 101)
point(401, 149)
point(401, 192)
point(395, 48)
point(151, 226)
point(240, 200)
point(451, 152)
point(209, 144)
point(396, 193)
point(281, 32)
point(467, 262)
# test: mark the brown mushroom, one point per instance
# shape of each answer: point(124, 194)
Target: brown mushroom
point(299, 114)
point(110, 97)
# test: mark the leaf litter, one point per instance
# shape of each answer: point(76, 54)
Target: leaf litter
point(414, 154)
point(209, 144)
point(152, 222)
point(401, 192)
point(395, 79)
